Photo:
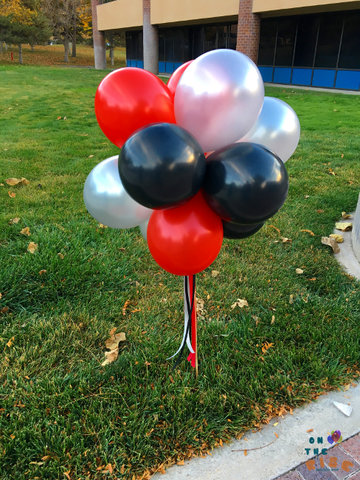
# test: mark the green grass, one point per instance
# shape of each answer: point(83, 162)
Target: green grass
point(61, 412)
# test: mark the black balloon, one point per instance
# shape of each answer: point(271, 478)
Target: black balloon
point(245, 183)
point(236, 230)
point(162, 166)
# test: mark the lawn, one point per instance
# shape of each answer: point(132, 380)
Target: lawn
point(62, 414)
point(54, 55)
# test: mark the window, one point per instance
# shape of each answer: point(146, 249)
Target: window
point(134, 45)
point(267, 42)
point(306, 41)
point(350, 50)
point(285, 42)
point(328, 41)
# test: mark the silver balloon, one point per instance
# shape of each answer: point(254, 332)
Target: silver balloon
point(277, 128)
point(219, 97)
point(143, 229)
point(107, 200)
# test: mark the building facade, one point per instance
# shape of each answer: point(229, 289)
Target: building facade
point(298, 42)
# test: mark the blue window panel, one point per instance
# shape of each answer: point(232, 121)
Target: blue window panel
point(282, 75)
point(323, 78)
point(266, 73)
point(301, 76)
point(162, 68)
point(169, 67)
point(139, 64)
point(128, 63)
point(348, 80)
point(177, 65)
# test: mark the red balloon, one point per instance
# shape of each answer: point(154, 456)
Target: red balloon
point(185, 240)
point(131, 98)
point(175, 77)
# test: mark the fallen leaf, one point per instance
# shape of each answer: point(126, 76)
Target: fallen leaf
point(113, 341)
point(67, 473)
point(337, 237)
point(320, 210)
point(275, 228)
point(240, 302)
point(108, 468)
point(342, 155)
point(308, 231)
point(215, 273)
point(4, 310)
point(25, 231)
point(276, 435)
point(331, 242)
point(91, 156)
point(286, 240)
point(310, 430)
point(344, 226)
point(12, 436)
point(331, 172)
point(265, 346)
point(59, 118)
point(101, 225)
point(245, 453)
point(272, 320)
point(46, 458)
point(61, 255)
point(14, 221)
point(11, 194)
point(112, 344)
point(299, 271)
point(32, 247)
point(65, 118)
point(291, 298)
point(126, 304)
point(306, 196)
point(42, 272)
point(17, 181)
point(180, 462)
point(10, 342)
point(345, 215)
point(0, 296)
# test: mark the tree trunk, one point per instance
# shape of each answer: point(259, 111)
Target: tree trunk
point(32, 47)
point(66, 49)
point(20, 54)
point(73, 46)
point(1, 47)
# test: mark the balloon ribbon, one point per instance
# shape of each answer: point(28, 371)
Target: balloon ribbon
point(190, 325)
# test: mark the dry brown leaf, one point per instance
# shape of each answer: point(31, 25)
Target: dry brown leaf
point(310, 430)
point(61, 255)
point(286, 240)
point(299, 271)
point(126, 304)
point(32, 247)
point(265, 346)
point(112, 344)
point(337, 237)
point(101, 225)
point(275, 228)
point(4, 310)
point(245, 453)
point(42, 272)
point(10, 342)
point(307, 231)
point(331, 242)
point(215, 273)
point(11, 194)
point(113, 341)
point(180, 462)
point(291, 298)
point(345, 215)
point(331, 172)
point(14, 221)
point(25, 231)
point(276, 435)
point(122, 469)
point(58, 118)
point(0, 296)
point(272, 320)
point(240, 302)
point(344, 226)
point(17, 181)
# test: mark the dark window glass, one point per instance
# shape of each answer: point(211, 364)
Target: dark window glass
point(329, 41)
point(134, 45)
point(285, 42)
point(350, 50)
point(267, 42)
point(161, 47)
point(210, 38)
point(232, 36)
point(196, 41)
point(306, 41)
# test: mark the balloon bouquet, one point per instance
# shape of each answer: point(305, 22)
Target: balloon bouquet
point(202, 158)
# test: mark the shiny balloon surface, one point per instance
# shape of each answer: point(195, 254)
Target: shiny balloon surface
point(245, 183)
point(107, 200)
point(162, 165)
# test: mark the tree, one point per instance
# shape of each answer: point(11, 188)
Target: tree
point(21, 22)
point(62, 15)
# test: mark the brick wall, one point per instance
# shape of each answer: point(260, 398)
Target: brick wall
point(248, 32)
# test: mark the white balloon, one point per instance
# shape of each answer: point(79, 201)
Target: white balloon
point(219, 97)
point(143, 229)
point(107, 200)
point(277, 128)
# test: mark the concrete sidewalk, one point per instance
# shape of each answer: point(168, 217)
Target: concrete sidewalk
point(287, 444)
